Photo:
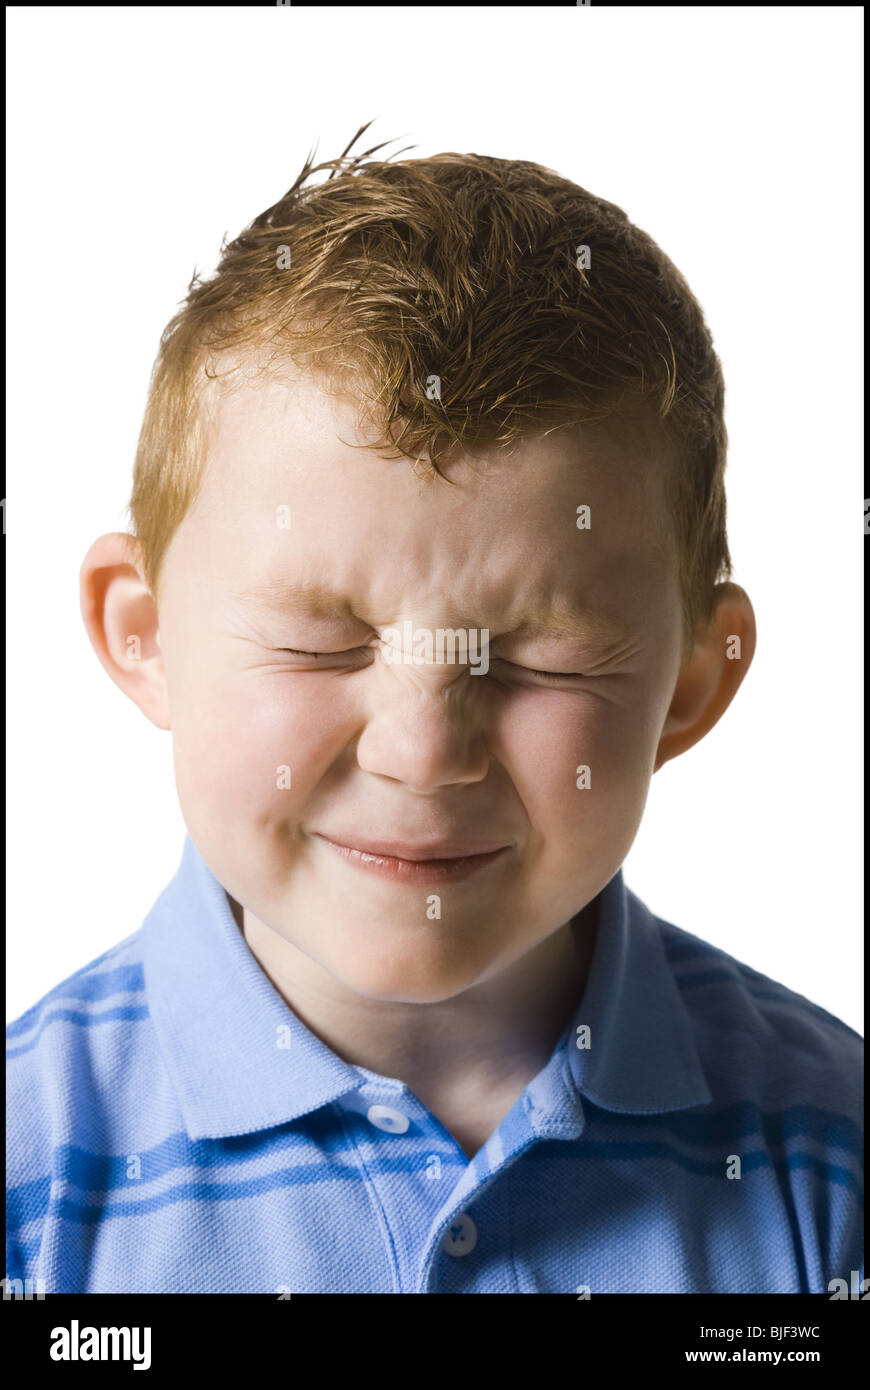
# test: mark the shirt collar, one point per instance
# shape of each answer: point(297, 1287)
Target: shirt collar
point(241, 1061)
point(641, 1056)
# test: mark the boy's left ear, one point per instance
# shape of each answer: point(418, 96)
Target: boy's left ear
point(711, 674)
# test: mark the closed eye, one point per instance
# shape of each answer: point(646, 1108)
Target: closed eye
point(349, 651)
point(545, 675)
point(529, 670)
point(557, 675)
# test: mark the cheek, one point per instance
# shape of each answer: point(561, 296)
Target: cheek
point(252, 746)
point(549, 743)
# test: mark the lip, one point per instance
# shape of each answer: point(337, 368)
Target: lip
point(403, 849)
point(398, 859)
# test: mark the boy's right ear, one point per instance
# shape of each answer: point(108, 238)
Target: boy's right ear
point(121, 620)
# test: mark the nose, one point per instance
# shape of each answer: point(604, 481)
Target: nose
point(427, 729)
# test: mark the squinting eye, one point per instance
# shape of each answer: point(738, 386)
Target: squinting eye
point(545, 675)
point(555, 676)
point(293, 652)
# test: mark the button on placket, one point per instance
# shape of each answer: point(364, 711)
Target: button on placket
point(387, 1118)
point(461, 1236)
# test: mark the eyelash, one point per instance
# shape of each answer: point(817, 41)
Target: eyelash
point(547, 675)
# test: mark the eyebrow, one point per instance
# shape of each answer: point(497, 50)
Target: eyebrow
point(284, 595)
point(293, 596)
point(576, 623)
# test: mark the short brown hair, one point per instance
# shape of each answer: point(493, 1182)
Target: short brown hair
point(463, 266)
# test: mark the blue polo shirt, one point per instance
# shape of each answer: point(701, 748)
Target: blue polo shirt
point(174, 1127)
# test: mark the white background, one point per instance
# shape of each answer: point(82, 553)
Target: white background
point(138, 137)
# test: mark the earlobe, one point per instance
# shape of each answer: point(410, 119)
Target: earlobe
point(711, 675)
point(120, 617)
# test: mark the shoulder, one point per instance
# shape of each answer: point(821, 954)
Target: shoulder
point(109, 988)
point(76, 1066)
point(786, 1083)
point(62, 1053)
point(761, 1040)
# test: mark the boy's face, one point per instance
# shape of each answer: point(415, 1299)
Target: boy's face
point(273, 752)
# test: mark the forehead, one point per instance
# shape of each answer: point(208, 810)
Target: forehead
point(294, 489)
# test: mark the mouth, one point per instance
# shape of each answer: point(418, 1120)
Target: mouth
point(397, 860)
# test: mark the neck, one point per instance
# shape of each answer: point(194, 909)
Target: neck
point(504, 1027)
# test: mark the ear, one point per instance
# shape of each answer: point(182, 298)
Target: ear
point(711, 674)
point(121, 620)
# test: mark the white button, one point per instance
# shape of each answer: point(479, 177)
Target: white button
point(385, 1117)
point(461, 1236)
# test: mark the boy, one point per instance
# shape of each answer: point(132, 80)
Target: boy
point(429, 576)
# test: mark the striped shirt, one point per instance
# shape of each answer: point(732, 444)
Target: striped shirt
point(174, 1127)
